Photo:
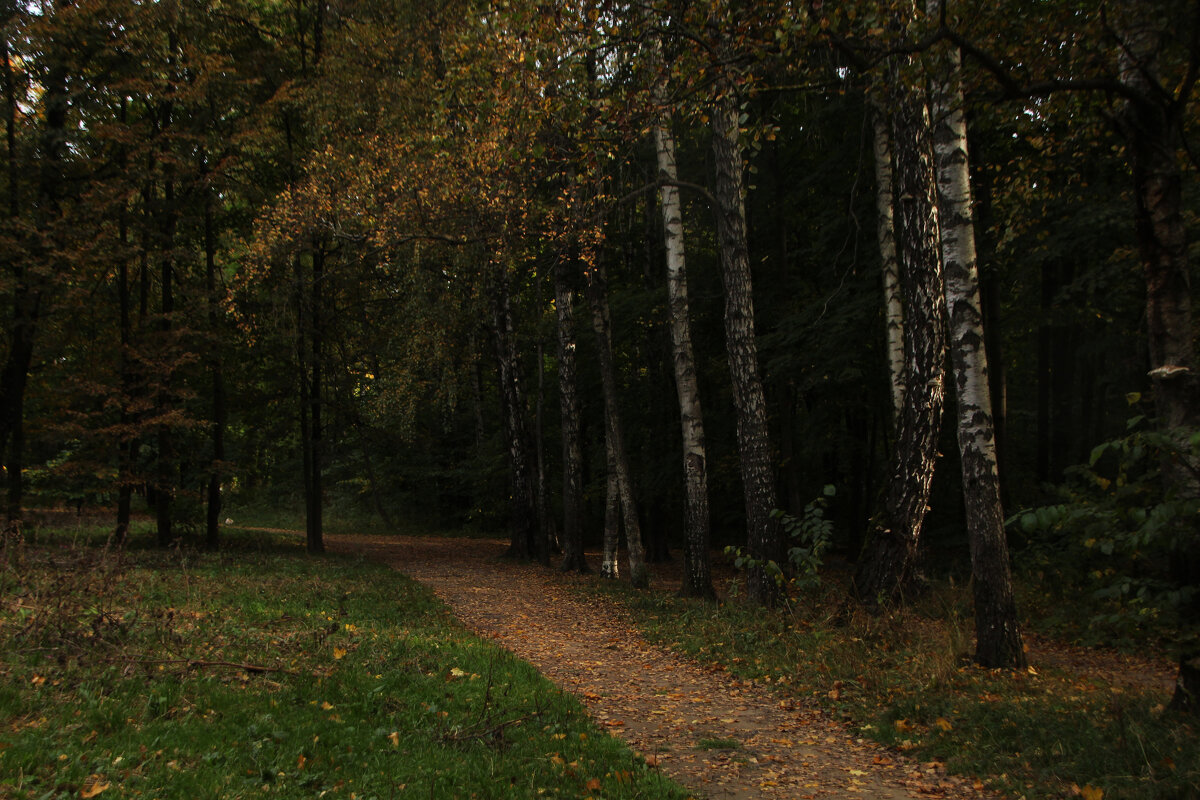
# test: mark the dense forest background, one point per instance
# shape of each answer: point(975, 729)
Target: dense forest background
point(410, 258)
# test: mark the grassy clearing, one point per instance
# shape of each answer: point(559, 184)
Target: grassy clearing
point(906, 680)
point(264, 673)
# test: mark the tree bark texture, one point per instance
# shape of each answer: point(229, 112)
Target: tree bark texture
point(697, 573)
point(886, 567)
point(885, 233)
point(569, 408)
point(997, 631)
point(524, 510)
point(1151, 127)
point(597, 292)
point(764, 538)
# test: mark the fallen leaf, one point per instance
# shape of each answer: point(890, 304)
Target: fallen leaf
point(1091, 793)
point(943, 723)
point(593, 785)
point(339, 652)
point(93, 786)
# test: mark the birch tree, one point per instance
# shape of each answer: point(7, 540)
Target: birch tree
point(997, 631)
point(697, 581)
point(619, 481)
point(886, 568)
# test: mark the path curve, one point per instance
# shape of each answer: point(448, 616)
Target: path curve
point(675, 712)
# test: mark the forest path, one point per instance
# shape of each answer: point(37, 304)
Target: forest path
point(722, 738)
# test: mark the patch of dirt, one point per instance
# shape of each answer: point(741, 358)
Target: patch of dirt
point(721, 738)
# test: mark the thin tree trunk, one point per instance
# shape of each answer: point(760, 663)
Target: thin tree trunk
point(167, 469)
point(764, 537)
point(885, 233)
point(316, 505)
point(609, 565)
point(572, 492)
point(697, 573)
point(304, 361)
point(125, 451)
point(597, 291)
point(886, 568)
point(212, 536)
point(997, 630)
point(544, 517)
point(524, 532)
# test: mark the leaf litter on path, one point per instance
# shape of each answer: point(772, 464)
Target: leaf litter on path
point(722, 738)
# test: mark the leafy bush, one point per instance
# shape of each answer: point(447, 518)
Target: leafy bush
point(1118, 535)
point(810, 535)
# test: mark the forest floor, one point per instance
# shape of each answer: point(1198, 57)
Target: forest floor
point(720, 737)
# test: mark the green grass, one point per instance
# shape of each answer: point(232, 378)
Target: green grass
point(906, 680)
point(718, 744)
point(260, 672)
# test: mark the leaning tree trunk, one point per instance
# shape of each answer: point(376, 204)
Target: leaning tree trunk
point(997, 630)
point(1151, 128)
point(597, 292)
point(568, 396)
point(697, 574)
point(764, 539)
point(523, 542)
point(887, 565)
point(885, 233)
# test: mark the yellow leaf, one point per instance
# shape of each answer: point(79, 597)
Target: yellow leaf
point(1091, 793)
point(327, 706)
point(943, 723)
point(339, 652)
point(93, 786)
point(394, 738)
point(455, 672)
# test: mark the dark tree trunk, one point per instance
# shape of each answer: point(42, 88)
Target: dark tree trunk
point(523, 543)
point(212, 534)
point(125, 446)
point(572, 492)
point(1151, 125)
point(764, 539)
point(597, 293)
point(167, 467)
point(303, 362)
point(316, 505)
point(886, 569)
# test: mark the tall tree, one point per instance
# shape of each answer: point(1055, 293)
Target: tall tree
point(614, 433)
point(997, 632)
point(697, 579)
point(764, 536)
point(885, 570)
point(572, 451)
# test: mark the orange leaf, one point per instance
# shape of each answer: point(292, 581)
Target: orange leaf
point(593, 785)
point(93, 786)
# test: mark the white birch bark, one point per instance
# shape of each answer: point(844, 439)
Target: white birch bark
point(885, 232)
point(697, 575)
point(998, 637)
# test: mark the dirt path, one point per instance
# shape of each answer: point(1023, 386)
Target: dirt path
point(720, 737)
